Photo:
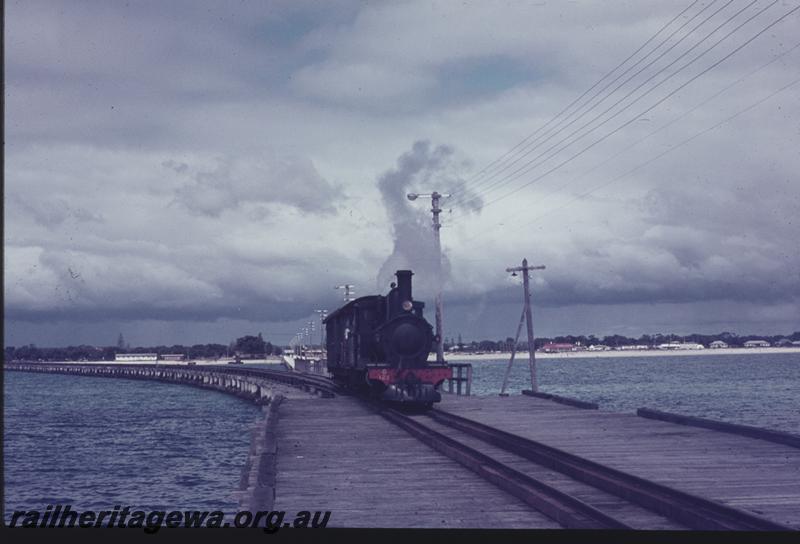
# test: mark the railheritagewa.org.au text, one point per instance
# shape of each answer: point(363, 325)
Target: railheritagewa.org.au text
point(58, 516)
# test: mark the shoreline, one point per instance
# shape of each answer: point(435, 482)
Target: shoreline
point(199, 362)
point(523, 355)
point(503, 356)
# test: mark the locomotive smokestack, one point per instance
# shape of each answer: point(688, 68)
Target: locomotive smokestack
point(404, 284)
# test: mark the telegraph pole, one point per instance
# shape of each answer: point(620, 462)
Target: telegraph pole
point(310, 334)
point(437, 225)
point(528, 320)
point(322, 314)
point(348, 291)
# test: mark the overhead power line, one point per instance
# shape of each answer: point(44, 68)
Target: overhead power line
point(664, 126)
point(533, 164)
point(549, 134)
point(525, 140)
point(660, 155)
point(660, 101)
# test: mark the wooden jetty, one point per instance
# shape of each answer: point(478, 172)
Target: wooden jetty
point(755, 475)
point(340, 456)
point(316, 450)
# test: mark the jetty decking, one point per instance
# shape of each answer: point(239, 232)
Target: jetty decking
point(337, 455)
point(747, 473)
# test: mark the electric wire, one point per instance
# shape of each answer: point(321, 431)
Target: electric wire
point(525, 141)
point(660, 101)
point(549, 134)
point(532, 165)
point(658, 156)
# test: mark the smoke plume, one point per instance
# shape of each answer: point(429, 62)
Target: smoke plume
point(423, 169)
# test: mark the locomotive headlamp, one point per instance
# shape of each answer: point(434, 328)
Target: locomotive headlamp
point(407, 305)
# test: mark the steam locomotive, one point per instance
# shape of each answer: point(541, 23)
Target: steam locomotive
point(380, 344)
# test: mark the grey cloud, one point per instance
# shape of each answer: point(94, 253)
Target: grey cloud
point(234, 182)
point(46, 285)
point(175, 166)
point(49, 211)
point(115, 111)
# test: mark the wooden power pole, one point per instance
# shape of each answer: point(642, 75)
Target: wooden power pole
point(437, 226)
point(528, 322)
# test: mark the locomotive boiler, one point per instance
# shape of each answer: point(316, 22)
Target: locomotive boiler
point(380, 344)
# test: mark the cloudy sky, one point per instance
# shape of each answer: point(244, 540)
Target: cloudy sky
point(193, 171)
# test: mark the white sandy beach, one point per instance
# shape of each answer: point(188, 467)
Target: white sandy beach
point(616, 354)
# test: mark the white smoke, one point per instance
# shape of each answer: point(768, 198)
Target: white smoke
point(423, 169)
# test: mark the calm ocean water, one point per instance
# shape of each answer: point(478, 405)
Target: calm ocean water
point(96, 442)
point(759, 389)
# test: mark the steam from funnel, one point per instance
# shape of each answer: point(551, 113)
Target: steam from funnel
point(425, 169)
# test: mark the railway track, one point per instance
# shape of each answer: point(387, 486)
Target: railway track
point(301, 380)
point(307, 382)
point(574, 491)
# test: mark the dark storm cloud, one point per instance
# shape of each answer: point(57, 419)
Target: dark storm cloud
point(244, 308)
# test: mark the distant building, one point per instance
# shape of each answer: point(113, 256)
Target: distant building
point(796, 343)
point(756, 344)
point(680, 346)
point(783, 343)
point(243, 355)
point(598, 347)
point(638, 347)
point(556, 348)
point(718, 344)
point(173, 357)
point(126, 357)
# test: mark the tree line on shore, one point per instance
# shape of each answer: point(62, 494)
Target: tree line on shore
point(614, 341)
point(245, 345)
point(257, 346)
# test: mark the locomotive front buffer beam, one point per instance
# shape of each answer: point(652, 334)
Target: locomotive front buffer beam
point(416, 393)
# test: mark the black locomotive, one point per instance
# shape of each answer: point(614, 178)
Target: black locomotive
point(381, 344)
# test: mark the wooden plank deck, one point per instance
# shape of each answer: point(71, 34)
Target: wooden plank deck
point(746, 473)
point(334, 454)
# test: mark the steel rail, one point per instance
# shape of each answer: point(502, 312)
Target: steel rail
point(567, 510)
point(691, 510)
